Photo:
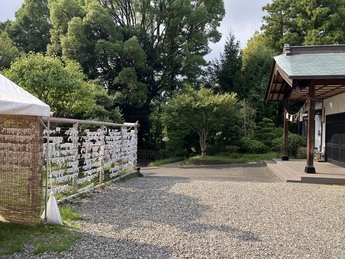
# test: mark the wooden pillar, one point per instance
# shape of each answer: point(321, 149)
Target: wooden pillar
point(286, 131)
point(311, 131)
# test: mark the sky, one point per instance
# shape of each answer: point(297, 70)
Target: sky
point(242, 18)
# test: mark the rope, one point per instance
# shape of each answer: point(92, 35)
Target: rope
point(296, 116)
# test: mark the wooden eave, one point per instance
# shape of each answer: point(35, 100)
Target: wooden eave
point(282, 86)
point(279, 85)
point(324, 88)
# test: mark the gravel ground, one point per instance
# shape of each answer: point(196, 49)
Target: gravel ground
point(169, 217)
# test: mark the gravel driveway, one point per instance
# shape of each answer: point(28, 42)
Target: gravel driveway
point(177, 217)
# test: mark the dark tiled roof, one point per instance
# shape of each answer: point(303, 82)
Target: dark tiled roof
point(312, 65)
point(298, 67)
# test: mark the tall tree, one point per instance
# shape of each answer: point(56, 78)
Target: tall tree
point(4, 25)
point(173, 34)
point(257, 62)
point(139, 50)
point(30, 30)
point(307, 22)
point(228, 69)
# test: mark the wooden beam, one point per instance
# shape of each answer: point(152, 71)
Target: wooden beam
point(301, 83)
point(286, 131)
point(311, 131)
point(284, 75)
point(329, 81)
point(270, 83)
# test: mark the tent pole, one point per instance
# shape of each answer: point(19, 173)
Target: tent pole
point(47, 169)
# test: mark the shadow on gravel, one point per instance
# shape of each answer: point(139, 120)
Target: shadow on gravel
point(106, 247)
point(146, 209)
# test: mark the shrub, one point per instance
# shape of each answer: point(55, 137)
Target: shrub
point(295, 141)
point(265, 131)
point(302, 153)
point(211, 150)
point(277, 145)
point(232, 149)
point(278, 132)
point(253, 146)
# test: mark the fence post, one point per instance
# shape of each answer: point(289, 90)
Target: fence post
point(101, 154)
point(135, 162)
point(75, 142)
point(74, 184)
point(121, 151)
point(48, 170)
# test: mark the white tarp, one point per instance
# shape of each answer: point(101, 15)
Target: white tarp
point(15, 100)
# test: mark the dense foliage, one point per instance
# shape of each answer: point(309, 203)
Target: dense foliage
point(129, 59)
point(62, 85)
point(307, 22)
point(139, 50)
point(205, 113)
point(8, 52)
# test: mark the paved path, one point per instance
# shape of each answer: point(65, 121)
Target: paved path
point(246, 173)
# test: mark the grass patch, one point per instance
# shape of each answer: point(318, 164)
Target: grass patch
point(69, 215)
point(166, 161)
point(42, 238)
point(58, 240)
point(239, 159)
point(128, 177)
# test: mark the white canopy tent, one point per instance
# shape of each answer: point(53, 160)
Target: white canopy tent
point(21, 135)
point(16, 101)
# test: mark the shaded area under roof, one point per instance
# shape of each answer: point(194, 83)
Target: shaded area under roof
point(299, 67)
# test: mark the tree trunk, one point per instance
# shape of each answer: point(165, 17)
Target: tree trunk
point(202, 141)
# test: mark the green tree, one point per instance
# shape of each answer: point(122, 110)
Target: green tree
point(4, 25)
point(96, 105)
point(30, 30)
point(228, 68)
point(248, 115)
point(204, 113)
point(60, 13)
point(8, 52)
point(265, 131)
point(140, 51)
point(307, 22)
point(60, 84)
point(257, 62)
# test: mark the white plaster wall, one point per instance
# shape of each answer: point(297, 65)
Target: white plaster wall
point(335, 104)
point(318, 134)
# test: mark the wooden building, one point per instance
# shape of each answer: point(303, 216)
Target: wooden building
point(314, 76)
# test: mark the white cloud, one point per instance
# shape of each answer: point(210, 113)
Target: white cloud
point(242, 18)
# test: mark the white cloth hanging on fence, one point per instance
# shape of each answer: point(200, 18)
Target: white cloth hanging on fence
point(53, 212)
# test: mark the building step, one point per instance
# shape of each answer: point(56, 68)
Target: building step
point(283, 171)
